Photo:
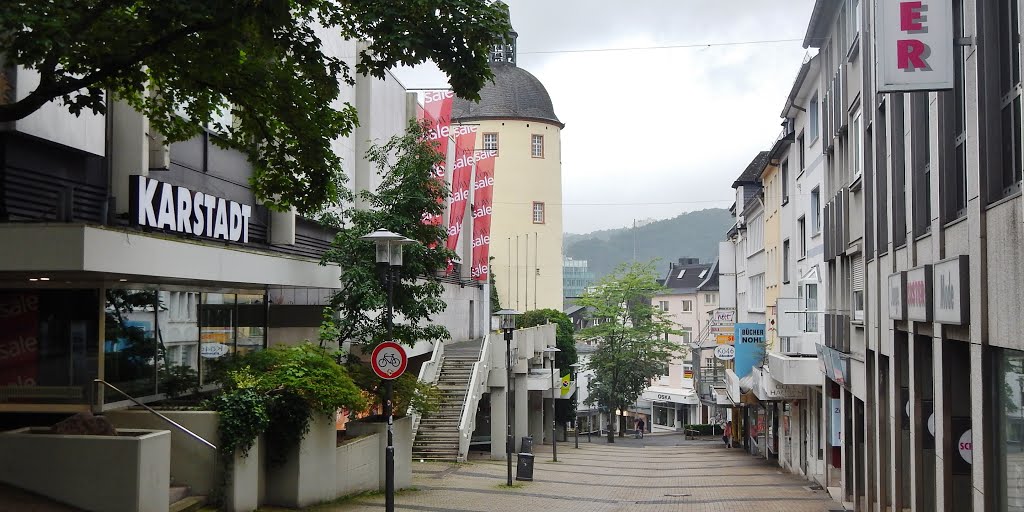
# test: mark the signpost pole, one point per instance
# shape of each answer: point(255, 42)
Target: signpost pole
point(389, 475)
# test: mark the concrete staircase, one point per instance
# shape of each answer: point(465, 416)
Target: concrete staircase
point(438, 435)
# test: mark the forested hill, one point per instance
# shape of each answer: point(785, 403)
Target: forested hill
point(693, 234)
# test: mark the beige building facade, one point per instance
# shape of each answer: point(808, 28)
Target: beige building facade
point(515, 117)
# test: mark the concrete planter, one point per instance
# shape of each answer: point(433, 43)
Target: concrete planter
point(359, 465)
point(125, 473)
point(194, 464)
point(402, 435)
point(309, 475)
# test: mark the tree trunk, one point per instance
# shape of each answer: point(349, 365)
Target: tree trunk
point(611, 426)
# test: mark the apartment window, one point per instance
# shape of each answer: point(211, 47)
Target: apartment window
point(812, 115)
point(815, 210)
point(537, 146)
point(920, 159)
point(685, 335)
point(785, 261)
point(857, 274)
point(703, 273)
point(801, 162)
point(856, 147)
point(956, 130)
point(682, 272)
point(755, 235)
point(1008, 177)
point(709, 298)
point(663, 305)
point(755, 297)
point(784, 176)
point(811, 304)
point(855, 19)
point(687, 306)
point(898, 166)
point(801, 229)
point(538, 212)
point(491, 141)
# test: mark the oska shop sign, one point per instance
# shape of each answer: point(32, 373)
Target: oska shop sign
point(159, 205)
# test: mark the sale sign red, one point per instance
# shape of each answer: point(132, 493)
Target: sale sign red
point(462, 175)
point(19, 339)
point(483, 195)
point(437, 106)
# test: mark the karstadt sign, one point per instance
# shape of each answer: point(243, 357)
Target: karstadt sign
point(160, 205)
point(914, 47)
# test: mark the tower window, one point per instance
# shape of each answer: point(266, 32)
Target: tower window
point(491, 141)
point(538, 212)
point(537, 146)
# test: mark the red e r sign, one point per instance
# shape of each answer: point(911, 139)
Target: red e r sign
point(911, 53)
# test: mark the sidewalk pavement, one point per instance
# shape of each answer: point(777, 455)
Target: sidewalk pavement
point(662, 472)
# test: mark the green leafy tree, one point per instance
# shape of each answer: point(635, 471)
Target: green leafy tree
point(261, 60)
point(565, 410)
point(632, 346)
point(407, 192)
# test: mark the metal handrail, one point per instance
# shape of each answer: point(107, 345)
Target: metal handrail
point(161, 416)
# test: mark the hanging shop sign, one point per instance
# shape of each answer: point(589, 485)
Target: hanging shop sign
point(483, 195)
point(914, 45)
point(159, 205)
point(725, 352)
point(951, 284)
point(750, 350)
point(897, 306)
point(213, 350)
point(919, 294)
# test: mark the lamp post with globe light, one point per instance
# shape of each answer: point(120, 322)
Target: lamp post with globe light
point(554, 422)
point(508, 324)
point(388, 247)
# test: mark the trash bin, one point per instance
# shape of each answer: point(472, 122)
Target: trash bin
point(524, 468)
point(526, 446)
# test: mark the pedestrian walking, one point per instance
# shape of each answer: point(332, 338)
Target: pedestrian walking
point(639, 428)
point(727, 434)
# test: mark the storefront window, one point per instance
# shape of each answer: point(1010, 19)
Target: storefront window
point(47, 348)
point(1009, 399)
point(130, 350)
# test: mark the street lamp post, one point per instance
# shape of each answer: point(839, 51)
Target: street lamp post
point(554, 422)
point(508, 324)
point(388, 247)
point(576, 413)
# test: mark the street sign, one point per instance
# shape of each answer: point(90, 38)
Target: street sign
point(725, 339)
point(389, 360)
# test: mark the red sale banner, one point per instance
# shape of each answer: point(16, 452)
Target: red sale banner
point(19, 342)
point(437, 106)
point(462, 175)
point(483, 194)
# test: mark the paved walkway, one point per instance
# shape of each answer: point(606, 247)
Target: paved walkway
point(658, 473)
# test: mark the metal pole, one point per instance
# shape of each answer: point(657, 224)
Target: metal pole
point(576, 415)
point(389, 475)
point(508, 404)
point(554, 422)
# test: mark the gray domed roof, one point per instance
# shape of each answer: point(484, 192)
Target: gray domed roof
point(514, 94)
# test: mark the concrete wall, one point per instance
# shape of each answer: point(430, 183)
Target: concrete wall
point(359, 464)
point(126, 473)
point(53, 121)
point(466, 315)
point(195, 464)
point(402, 434)
point(309, 475)
point(519, 180)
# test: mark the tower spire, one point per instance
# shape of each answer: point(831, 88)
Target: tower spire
point(505, 50)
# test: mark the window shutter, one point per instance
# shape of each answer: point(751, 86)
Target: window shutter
point(858, 272)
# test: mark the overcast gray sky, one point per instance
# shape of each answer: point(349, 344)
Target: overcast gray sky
point(653, 133)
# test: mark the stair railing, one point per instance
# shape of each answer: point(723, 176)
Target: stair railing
point(477, 387)
point(99, 382)
point(429, 373)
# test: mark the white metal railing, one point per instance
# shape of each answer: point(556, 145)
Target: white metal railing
point(429, 373)
point(477, 387)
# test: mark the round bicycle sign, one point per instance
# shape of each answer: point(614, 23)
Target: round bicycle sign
point(389, 360)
